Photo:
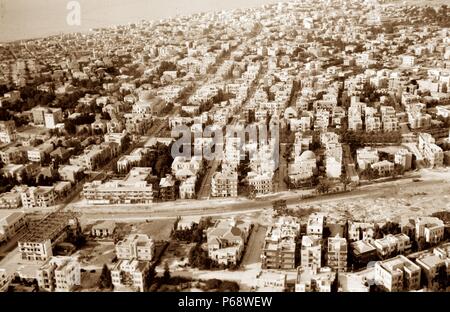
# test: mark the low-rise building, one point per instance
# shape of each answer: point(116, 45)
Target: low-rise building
point(167, 188)
point(187, 188)
point(309, 280)
point(316, 222)
point(360, 231)
point(434, 269)
point(5, 280)
point(392, 244)
point(271, 281)
point(311, 252)
point(37, 197)
point(60, 274)
point(224, 184)
point(129, 275)
point(383, 167)
point(363, 252)
point(36, 245)
point(430, 151)
point(429, 228)
point(134, 189)
point(227, 239)
point(10, 200)
point(262, 184)
point(7, 131)
point(103, 229)
point(366, 156)
point(397, 274)
point(11, 224)
point(136, 246)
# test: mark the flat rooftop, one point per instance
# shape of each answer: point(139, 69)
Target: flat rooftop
point(48, 227)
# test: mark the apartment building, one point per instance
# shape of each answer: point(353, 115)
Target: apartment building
point(95, 155)
point(309, 280)
point(383, 167)
point(10, 200)
point(224, 184)
point(187, 188)
point(408, 60)
point(280, 244)
point(316, 222)
point(37, 197)
point(59, 274)
point(397, 274)
point(5, 280)
point(37, 154)
point(403, 158)
point(167, 188)
point(134, 189)
point(70, 173)
point(7, 131)
point(262, 184)
point(366, 157)
point(432, 266)
point(311, 252)
point(52, 117)
point(136, 246)
point(429, 228)
point(360, 231)
point(430, 151)
point(363, 252)
point(11, 224)
point(130, 275)
point(226, 240)
point(392, 244)
point(14, 155)
point(184, 168)
point(337, 253)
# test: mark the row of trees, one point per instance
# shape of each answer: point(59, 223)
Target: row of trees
point(372, 174)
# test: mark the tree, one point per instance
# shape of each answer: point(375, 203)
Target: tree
point(105, 281)
point(442, 278)
point(323, 187)
point(166, 275)
point(149, 277)
point(345, 180)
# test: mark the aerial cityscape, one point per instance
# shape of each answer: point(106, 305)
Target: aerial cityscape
point(299, 146)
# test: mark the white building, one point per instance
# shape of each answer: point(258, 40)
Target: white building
point(37, 197)
point(397, 274)
point(60, 274)
point(134, 189)
point(311, 253)
point(129, 275)
point(430, 228)
point(136, 246)
point(366, 156)
point(316, 222)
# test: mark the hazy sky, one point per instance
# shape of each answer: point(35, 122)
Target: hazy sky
point(24, 19)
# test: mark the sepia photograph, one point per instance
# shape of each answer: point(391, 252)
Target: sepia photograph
point(206, 147)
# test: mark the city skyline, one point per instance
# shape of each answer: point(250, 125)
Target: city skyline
point(24, 20)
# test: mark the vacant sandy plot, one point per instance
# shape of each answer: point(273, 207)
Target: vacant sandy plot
point(176, 256)
point(159, 230)
point(94, 255)
point(393, 200)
